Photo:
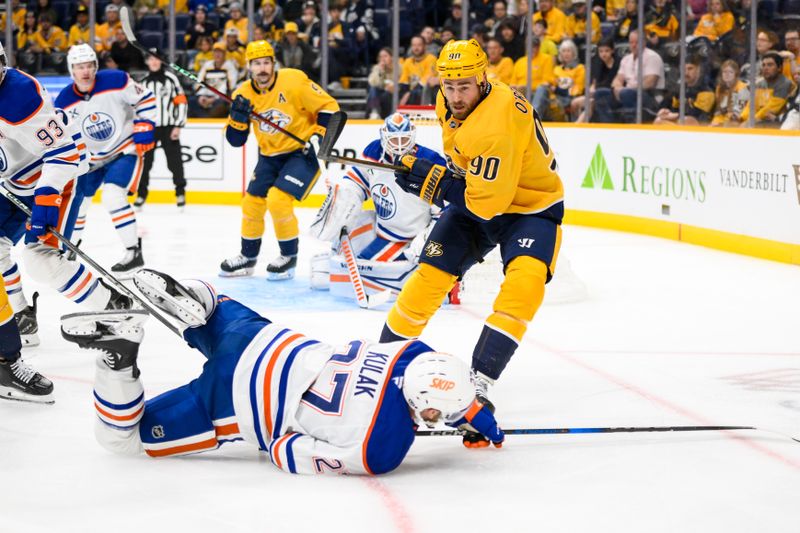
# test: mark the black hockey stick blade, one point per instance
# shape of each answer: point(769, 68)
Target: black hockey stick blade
point(126, 20)
point(334, 129)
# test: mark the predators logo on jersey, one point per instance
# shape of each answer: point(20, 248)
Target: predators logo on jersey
point(276, 117)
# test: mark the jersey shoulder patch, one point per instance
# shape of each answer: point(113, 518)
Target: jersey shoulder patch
point(374, 150)
point(110, 80)
point(20, 97)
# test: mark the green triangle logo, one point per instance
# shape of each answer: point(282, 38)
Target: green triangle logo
point(598, 176)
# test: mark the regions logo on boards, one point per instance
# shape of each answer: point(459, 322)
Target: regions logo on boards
point(645, 177)
point(384, 200)
point(3, 161)
point(99, 126)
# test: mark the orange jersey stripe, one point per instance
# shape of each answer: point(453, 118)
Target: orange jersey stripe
point(276, 451)
point(81, 286)
point(393, 249)
point(227, 429)
point(13, 280)
point(268, 381)
point(208, 444)
point(117, 417)
point(31, 179)
point(124, 215)
point(358, 231)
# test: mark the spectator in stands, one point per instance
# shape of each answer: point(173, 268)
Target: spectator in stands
point(660, 23)
point(546, 44)
point(200, 26)
point(358, 13)
point(604, 69)
point(309, 25)
point(614, 9)
point(238, 21)
point(541, 74)
point(718, 21)
point(622, 95)
point(500, 68)
point(270, 17)
point(792, 120)
point(521, 18)
point(204, 52)
point(772, 93)
point(699, 104)
point(479, 33)
point(27, 34)
point(556, 20)
point(456, 13)
point(570, 77)
point(208, 5)
point(483, 9)
point(146, 7)
point(429, 36)
point(293, 9)
point(123, 55)
point(106, 32)
point(361, 48)
point(43, 7)
point(339, 56)
point(381, 86)
point(695, 9)
point(626, 22)
point(79, 32)
point(221, 74)
point(791, 56)
point(499, 13)
point(446, 35)
point(576, 24)
point(513, 46)
point(416, 71)
point(18, 13)
point(42, 48)
point(730, 97)
point(292, 52)
point(234, 49)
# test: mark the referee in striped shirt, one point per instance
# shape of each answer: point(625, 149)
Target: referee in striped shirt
point(172, 108)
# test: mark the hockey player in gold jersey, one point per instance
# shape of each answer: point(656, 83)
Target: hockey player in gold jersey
point(286, 170)
point(503, 189)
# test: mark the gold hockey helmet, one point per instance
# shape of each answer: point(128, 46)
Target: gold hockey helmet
point(461, 59)
point(257, 49)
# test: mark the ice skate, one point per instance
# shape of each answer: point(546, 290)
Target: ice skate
point(138, 204)
point(189, 302)
point(115, 334)
point(117, 301)
point(132, 260)
point(20, 382)
point(27, 323)
point(180, 201)
point(281, 268)
point(237, 266)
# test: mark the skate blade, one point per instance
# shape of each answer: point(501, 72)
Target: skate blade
point(242, 272)
point(29, 341)
point(19, 396)
point(146, 283)
point(280, 276)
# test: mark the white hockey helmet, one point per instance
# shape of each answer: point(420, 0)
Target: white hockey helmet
point(441, 381)
point(80, 53)
point(3, 63)
point(398, 135)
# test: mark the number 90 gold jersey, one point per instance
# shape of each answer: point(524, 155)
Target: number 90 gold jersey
point(293, 102)
point(503, 153)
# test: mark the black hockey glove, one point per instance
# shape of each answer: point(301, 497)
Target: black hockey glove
point(240, 113)
point(425, 179)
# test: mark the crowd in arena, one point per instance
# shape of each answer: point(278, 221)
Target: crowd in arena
point(211, 36)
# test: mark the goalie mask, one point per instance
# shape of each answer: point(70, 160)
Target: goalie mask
point(80, 53)
point(398, 134)
point(3, 63)
point(440, 381)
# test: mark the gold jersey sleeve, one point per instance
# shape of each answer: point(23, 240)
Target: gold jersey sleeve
point(293, 102)
point(503, 154)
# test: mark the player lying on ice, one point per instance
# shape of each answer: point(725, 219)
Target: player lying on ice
point(313, 407)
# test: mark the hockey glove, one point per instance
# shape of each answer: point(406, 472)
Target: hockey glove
point(144, 135)
point(425, 179)
point(46, 206)
point(312, 145)
point(479, 419)
point(240, 113)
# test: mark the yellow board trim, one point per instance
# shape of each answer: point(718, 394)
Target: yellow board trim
point(720, 240)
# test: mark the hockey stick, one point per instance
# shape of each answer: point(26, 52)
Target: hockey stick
point(127, 28)
point(11, 197)
point(635, 429)
point(365, 301)
point(334, 129)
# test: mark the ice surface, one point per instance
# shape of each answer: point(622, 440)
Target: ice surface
point(670, 334)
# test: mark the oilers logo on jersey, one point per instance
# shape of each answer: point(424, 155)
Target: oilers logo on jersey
point(99, 126)
point(3, 161)
point(276, 117)
point(384, 200)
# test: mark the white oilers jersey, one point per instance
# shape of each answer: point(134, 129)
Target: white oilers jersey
point(317, 409)
point(400, 216)
point(38, 148)
point(106, 113)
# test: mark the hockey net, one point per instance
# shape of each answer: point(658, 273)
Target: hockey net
point(482, 282)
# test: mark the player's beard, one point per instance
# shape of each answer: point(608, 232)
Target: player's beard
point(263, 79)
point(465, 109)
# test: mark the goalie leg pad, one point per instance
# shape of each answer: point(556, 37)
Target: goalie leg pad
point(253, 210)
point(418, 301)
point(341, 209)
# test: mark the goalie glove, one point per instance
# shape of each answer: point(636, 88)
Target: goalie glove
point(339, 210)
point(425, 179)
